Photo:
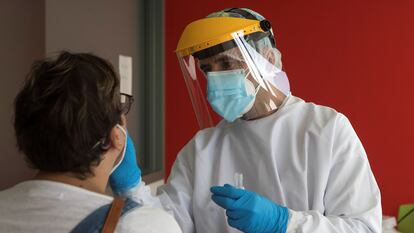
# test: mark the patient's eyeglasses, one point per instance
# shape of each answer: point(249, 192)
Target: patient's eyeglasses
point(126, 103)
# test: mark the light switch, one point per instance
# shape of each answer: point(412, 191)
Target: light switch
point(125, 74)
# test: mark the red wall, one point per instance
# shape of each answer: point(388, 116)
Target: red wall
point(355, 56)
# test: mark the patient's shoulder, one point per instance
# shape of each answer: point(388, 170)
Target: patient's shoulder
point(148, 219)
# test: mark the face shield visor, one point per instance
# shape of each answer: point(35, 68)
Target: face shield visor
point(234, 75)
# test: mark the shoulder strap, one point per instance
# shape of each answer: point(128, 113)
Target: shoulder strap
point(94, 222)
point(113, 216)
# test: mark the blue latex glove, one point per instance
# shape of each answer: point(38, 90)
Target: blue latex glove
point(127, 175)
point(249, 212)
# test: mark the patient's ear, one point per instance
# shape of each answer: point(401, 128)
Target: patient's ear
point(117, 138)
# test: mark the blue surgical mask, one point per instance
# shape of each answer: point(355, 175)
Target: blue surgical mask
point(228, 95)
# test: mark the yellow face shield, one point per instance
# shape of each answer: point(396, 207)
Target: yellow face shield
point(228, 74)
point(208, 32)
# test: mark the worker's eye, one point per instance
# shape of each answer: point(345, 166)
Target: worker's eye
point(230, 65)
point(205, 68)
point(226, 65)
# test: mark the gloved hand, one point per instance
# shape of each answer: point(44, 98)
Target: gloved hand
point(128, 174)
point(249, 212)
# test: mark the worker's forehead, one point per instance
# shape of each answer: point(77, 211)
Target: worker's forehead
point(228, 55)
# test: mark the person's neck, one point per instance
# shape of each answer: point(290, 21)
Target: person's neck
point(261, 107)
point(252, 117)
point(92, 183)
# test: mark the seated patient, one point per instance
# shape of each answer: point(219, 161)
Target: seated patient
point(70, 124)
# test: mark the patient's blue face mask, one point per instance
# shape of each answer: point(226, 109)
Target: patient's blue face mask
point(230, 93)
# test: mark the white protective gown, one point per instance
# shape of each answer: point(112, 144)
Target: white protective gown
point(305, 157)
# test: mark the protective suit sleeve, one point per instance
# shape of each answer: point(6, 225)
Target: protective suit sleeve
point(176, 194)
point(142, 194)
point(352, 197)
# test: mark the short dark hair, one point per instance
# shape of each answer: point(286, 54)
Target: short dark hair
point(65, 112)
